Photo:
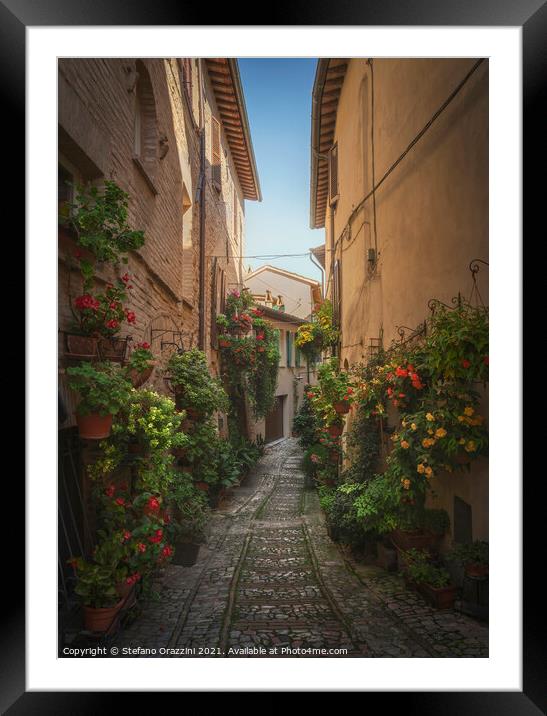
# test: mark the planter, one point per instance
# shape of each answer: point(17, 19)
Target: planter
point(186, 553)
point(203, 486)
point(474, 569)
point(100, 620)
point(94, 426)
point(113, 349)
point(139, 378)
point(409, 539)
point(81, 347)
point(438, 597)
point(342, 407)
point(335, 431)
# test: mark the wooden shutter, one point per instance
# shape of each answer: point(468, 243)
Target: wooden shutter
point(187, 75)
point(215, 153)
point(333, 175)
point(214, 304)
point(336, 293)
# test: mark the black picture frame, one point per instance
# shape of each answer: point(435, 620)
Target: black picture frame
point(531, 15)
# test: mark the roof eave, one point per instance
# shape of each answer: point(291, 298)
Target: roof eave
point(320, 75)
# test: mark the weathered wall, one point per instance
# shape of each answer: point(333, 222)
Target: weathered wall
point(431, 214)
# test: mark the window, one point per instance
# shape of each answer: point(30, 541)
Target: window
point(289, 348)
point(297, 357)
point(145, 127)
point(215, 154)
point(333, 175)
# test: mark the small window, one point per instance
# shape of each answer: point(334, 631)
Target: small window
point(145, 143)
point(289, 349)
point(297, 357)
point(333, 175)
point(215, 153)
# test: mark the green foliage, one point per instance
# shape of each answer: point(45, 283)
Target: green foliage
point(457, 345)
point(423, 571)
point(320, 334)
point(96, 577)
point(363, 447)
point(100, 220)
point(306, 423)
point(436, 521)
point(194, 387)
point(141, 358)
point(474, 553)
point(103, 387)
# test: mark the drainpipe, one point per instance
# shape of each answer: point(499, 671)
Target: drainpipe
point(202, 215)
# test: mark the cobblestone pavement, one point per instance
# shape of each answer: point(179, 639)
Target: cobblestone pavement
point(271, 578)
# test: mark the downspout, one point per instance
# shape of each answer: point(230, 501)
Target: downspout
point(202, 214)
point(316, 263)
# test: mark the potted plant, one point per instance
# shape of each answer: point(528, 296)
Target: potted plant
point(141, 364)
point(474, 558)
point(152, 422)
point(103, 390)
point(432, 581)
point(196, 391)
point(96, 580)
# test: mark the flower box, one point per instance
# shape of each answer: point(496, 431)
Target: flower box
point(438, 597)
point(81, 348)
point(417, 539)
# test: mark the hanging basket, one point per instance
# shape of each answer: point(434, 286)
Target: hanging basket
point(342, 407)
point(81, 348)
point(139, 377)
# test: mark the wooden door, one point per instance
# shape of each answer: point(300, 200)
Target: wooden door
point(274, 421)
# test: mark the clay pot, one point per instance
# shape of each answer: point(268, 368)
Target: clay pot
point(94, 426)
point(139, 378)
point(100, 620)
point(439, 598)
point(417, 539)
point(474, 569)
point(342, 407)
point(224, 344)
point(335, 431)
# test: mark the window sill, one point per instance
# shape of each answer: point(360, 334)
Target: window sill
point(145, 174)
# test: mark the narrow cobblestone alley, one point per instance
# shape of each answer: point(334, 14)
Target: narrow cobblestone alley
point(271, 577)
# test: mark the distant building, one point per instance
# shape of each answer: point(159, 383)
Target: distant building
point(278, 288)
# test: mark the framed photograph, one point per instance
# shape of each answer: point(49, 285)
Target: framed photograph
point(288, 267)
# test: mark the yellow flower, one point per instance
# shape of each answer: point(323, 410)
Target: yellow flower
point(414, 426)
point(469, 410)
point(440, 433)
point(461, 441)
point(471, 446)
point(428, 471)
point(406, 483)
point(460, 418)
point(428, 442)
point(403, 423)
point(404, 444)
point(421, 468)
point(430, 431)
point(429, 417)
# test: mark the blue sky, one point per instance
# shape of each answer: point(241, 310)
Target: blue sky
point(278, 98)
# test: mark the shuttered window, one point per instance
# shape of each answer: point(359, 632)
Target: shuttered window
point(215, 153)
point(333, 175)
point(289, 348)
point(336, 299)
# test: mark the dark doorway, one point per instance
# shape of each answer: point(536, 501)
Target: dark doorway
point(274, 420)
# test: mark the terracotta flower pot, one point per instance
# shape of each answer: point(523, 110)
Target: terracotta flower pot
point(224, 343)
point(94, 426)
point(139, 377)
point(100, 620)
point(335, 431)
point(342, 407)
point(474, 569)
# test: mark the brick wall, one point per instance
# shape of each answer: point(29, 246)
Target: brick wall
point(96, 142)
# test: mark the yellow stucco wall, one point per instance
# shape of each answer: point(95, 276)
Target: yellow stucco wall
point(431, 212)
